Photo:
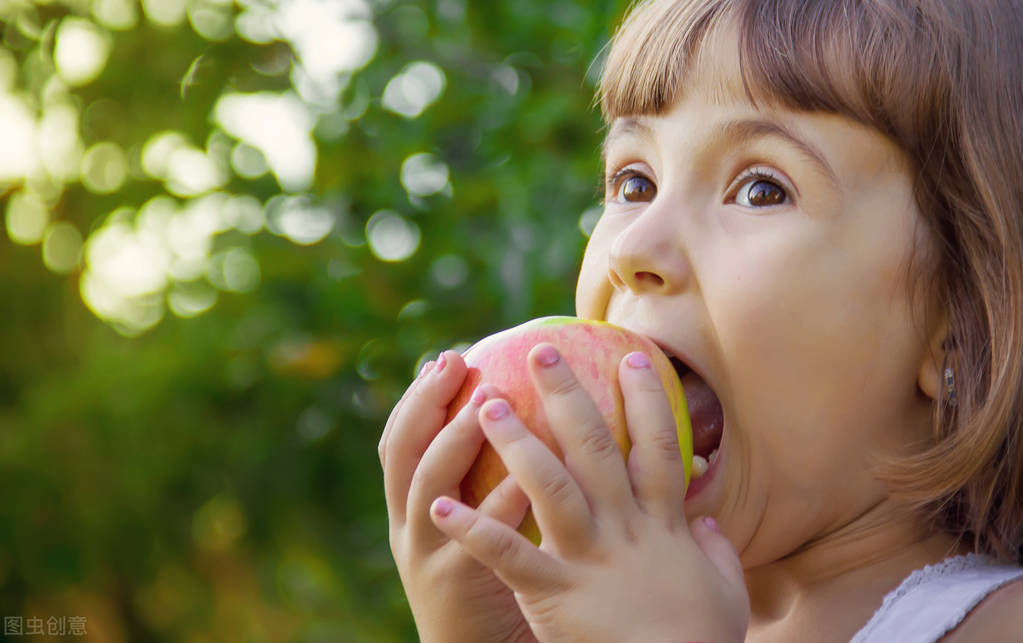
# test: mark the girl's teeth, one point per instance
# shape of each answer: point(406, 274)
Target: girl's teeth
point(699, 466)
point(713, 456)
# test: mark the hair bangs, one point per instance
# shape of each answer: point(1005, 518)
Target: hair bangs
point(650, 55)
point(861, 59)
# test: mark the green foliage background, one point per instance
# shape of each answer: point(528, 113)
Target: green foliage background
point(215, 478)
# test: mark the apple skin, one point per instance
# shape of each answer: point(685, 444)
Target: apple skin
point(593, 350)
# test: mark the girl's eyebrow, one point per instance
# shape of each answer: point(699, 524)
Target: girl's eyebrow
point(746, 130)
point(621, 127)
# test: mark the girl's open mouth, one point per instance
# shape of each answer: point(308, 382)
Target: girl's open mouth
point(706, 416)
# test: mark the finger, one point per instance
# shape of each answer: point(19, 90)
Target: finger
point(420, 419)
point(591, 453)
point(396, 411)
point(517, 562)
point(655, 464)
point(446, 461)
point(559, 505)
point(507, 503)
point(718, 549)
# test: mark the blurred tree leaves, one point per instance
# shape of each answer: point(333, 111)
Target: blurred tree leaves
point(203, 466)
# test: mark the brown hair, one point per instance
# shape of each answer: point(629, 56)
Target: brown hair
point(943, 79)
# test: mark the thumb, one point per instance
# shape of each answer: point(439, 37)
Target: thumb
point(718, 549)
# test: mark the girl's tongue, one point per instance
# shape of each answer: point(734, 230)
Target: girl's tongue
point(705, 414)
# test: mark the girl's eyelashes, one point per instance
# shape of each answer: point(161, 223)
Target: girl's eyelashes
point(630, 186)
point(759, 188)
point(755, 188)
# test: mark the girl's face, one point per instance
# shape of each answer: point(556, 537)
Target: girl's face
point(768, 250)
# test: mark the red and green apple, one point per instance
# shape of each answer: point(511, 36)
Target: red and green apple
point(593, 350)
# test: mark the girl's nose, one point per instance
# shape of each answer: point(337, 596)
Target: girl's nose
point(646, 256)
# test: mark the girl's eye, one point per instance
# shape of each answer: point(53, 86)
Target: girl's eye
point(758, 192)
point(636, 188)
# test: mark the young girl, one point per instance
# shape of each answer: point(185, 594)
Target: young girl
point(815, 205)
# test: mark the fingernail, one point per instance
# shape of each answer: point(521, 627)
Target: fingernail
point(547, 356)
point(638, 360)
point(712, 524)
point(478, 396)
point(498, 410)
point(426, 368)
point(443, 507)
point(442, 361)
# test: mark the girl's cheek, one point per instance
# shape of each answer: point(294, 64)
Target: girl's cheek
point(587, 292)
point(592, 286)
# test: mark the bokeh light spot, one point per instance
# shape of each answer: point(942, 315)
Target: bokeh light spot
point(81, 50)
point(299, 219)
point(255, 24)
point(27, 217)
point(451, 10)
point(392, 237)
point(191, 172)
point(126, 314)
point(59, 146)
point(248, 162)
point(449, 271)
point(190, 299)
point(17, 131)
point(424, 174)
point(313, 424)
point(588, 219)
point(505, 77)
point(414, 89)
point(115, 14)
point(244, 213)
point(413, 309)
point(157, 151)
point(331, 38)
point(278, 125)
point(62, 247)
point(234, 270)
point(213, 22)
point(128, 264)
point(104, 168)
point(370, 356)
point(340, 269)
point(190, 234)
point(164, 13)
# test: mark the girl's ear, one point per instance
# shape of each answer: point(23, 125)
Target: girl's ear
point(930, 375)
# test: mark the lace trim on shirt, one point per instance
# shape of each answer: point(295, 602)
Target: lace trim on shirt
point(946, 567)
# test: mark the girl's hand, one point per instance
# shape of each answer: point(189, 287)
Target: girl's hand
point(618, 561)
point(452, 596)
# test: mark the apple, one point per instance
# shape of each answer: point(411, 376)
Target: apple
point(593, 350)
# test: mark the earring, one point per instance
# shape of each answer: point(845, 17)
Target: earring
point(950, 385)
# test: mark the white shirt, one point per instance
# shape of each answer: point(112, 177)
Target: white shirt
point(932, 601)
